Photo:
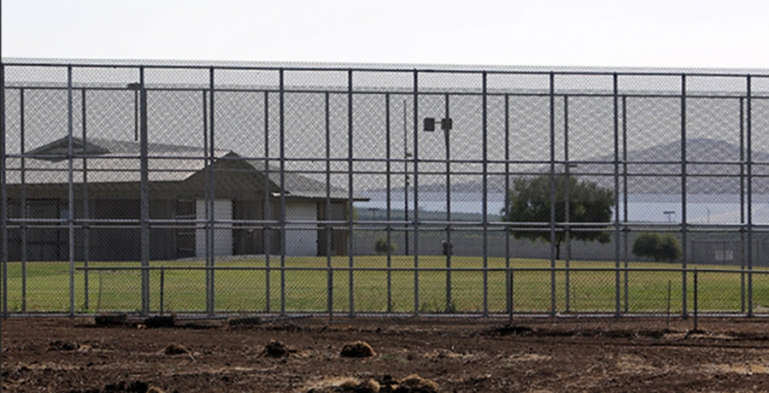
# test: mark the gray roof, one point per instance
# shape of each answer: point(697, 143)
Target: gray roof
point(113, 161)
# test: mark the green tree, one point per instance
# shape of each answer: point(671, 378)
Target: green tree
point(665, 248)
point(381, 246)
point(530, 201)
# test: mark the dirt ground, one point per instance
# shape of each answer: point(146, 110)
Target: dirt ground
point(482, 355)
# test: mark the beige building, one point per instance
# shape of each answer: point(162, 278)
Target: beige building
point(107, 204)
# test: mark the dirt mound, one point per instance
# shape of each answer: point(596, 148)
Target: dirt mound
point(416, 384)
point(176, 349)
point(160, 321)
point(342, 385)
point(357, 349)
point(508, 330)
point(59, 345)
point(276, 349)
point(122, 386)
point(103, 320)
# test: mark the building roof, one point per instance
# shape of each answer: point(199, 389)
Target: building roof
point(113, 161)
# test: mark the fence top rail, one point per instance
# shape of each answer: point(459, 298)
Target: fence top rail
point(391, 68)
point(426, 269)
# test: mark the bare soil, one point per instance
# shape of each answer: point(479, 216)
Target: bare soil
point(459, 355)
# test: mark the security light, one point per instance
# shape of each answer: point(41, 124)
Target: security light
point(429, 124)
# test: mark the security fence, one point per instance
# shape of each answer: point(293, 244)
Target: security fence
point(282, 189)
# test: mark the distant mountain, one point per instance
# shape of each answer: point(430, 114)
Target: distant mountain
point(713, 167)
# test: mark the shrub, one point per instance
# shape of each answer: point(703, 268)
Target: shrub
point(381, 246)
point(665, 248)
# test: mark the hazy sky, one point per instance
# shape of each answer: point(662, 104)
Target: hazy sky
point(638, 33)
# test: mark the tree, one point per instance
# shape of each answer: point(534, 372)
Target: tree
point(381, 246)
point(665, 248)
point(530, 201)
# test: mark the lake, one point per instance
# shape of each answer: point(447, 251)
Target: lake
point(659, 208)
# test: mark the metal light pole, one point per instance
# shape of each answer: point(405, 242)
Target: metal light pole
point(446, 126)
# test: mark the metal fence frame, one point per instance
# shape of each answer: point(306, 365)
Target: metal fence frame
point(414, 225)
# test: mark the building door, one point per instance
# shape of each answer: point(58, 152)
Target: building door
point(223, 231)
point(302, 239)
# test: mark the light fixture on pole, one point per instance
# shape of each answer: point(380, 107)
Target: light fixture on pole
point(447, 248)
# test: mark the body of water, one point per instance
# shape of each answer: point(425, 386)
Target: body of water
point(661, 208)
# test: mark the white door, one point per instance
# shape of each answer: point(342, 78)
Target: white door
point(302, 240)
point(222, 232)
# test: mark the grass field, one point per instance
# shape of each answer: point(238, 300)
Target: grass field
point(242, 286)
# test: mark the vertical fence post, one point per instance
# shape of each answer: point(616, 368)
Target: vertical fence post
point(508, 278)
point(416, 193)
point(625, 201)
point(742, 205)
point(617, 285)
point(448, 248)
point(329, 267)
point(211, 252)
point(485, 197)
point(3, 196)
point(350, 249)
point(208, 207)
point(567, 212)
point(282, 194)
point(684, 256)
point(86, 224)
point(3, 206)
point(388, 154)
point(406, 156)
point(750, 194)
point(23, 212)
point(267, 207)
point(71, 194)
point(552, 196)
point(145, 199)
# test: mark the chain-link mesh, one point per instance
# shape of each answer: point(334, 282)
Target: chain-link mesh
point(368, 191)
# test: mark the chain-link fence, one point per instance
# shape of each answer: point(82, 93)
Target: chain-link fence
point(236, 189)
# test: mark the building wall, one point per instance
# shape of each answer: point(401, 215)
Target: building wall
point(120, 202)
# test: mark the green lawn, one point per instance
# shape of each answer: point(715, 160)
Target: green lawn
point(242, 290)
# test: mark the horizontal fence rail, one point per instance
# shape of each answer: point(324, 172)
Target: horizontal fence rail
point(173, 188)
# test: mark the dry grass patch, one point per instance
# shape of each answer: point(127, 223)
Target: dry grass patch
point(416, 384)
point(357, 349)
point(342, 385)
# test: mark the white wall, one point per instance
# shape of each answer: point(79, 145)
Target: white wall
point(222, 236)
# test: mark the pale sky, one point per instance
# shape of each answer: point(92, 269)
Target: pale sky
point(601, 33)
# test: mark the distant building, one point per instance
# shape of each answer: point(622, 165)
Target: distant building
point(107, 190)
